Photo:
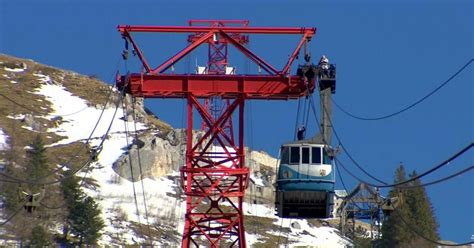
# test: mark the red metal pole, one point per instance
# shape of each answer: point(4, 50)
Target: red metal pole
point(295, 53)
point(188, 178)
point(147, 67)
point(242, 184)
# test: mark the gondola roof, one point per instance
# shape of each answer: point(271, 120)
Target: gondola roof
point(316, 140)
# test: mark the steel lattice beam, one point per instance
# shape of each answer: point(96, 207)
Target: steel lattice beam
point(217, 64)
point(214, 177)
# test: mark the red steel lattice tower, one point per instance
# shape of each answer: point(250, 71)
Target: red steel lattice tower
point(215, 177)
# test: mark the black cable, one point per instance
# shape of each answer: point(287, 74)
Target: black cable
point(40, 112)
point(409, 106)
point(307, 114)
point(37, 180)
point(14, 214)
point(397, 184)
point(288, 234)
point(456, 155)
point(305, 104)
point(297, 118)
point(413, 230)
point(340, 142)
point(422, 185)
point(140, 167)
point(104, 137)
point(434, 168)
point(125, 118)
point(340, 178)
point(345, 188)
point(438, 180)
point(279, 232)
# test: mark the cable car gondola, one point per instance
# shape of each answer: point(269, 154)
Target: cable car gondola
point(306, 175)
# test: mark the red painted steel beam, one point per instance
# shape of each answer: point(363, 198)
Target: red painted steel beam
point(163, 67)
point(204, 29)
point(295, 53)
point(145, 63)
point(226, 86)
point(266, 66)
point(218, 22)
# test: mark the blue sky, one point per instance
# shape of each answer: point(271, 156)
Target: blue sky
point(388, 54)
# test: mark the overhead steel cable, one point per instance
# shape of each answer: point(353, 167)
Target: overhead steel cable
point(413, 230)
point(37, 180)
point(68, 162)
point(125, 119)
point(345, 188)
point(407, 107)
point(439, 180)
point(340, 142)
point(40, 112)
point(385, 185)
point(453, 157)
point(297, 118)
point(401, 184)
point(140, 168)
point(13, 214)
point(104, 137)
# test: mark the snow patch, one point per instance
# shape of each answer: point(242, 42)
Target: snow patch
point(23, 68)
point(13, 82)
point(79, 126)
point(3, 140)
point(256, 180)
point(16, 117)
point(116, 195)
point(29, 129)
point(43, 78)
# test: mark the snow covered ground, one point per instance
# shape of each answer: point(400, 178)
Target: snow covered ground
point(116, 195)
point(3, 140)
point(16, 69)
point(79, 119)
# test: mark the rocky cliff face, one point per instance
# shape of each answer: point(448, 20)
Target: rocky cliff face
point(162, 153)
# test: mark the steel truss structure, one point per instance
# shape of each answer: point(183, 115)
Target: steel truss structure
point(215, 176)
point(217, 63)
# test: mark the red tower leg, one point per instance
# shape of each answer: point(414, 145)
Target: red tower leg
point(215, 180)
